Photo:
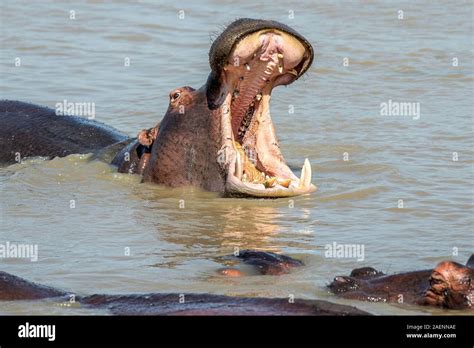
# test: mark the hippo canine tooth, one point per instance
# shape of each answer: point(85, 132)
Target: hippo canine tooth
point(238, 166)
point(305, 179)
point(280, 63)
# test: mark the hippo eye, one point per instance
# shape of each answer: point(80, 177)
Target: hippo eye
point(434, 281)
point(175, 96)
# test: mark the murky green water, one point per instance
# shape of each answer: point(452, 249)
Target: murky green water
point(336, 111)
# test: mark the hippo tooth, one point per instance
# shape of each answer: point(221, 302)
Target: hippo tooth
point(284, 182)
point(293, 72)
point(305, 179)
point(258, 96)
point(238, 166)
point(280, 63)
point(247, 66)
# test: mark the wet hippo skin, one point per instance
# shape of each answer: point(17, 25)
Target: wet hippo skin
point(264, 262)
point(15, 288)
point(30, 130)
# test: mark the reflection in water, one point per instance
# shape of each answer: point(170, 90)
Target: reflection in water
point(200, 225)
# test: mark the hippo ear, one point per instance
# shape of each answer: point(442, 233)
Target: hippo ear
point(214, 93)
point(470, 262)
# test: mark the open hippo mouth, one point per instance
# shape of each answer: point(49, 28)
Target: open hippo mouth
point(248, 60)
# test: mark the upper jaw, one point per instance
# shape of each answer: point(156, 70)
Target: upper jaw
point(258, 63)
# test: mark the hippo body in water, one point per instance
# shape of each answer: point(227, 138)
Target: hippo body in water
point(28, 130)
point(449, 285)
point(264, 262)
point(219, 137)
point(15, 288)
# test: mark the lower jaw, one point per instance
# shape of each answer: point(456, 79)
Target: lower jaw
point(236, 187)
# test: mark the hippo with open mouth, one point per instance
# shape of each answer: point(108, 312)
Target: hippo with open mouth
point(449, 285)
point(219, 137)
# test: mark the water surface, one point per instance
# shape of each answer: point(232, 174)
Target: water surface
point(336, 111)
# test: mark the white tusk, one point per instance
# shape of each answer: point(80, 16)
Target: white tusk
point(280, 63)
point(305, 179)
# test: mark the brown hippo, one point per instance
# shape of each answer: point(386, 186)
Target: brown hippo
point(265, 262)
point(219, 137)
point(15, 288)
point(449, 285)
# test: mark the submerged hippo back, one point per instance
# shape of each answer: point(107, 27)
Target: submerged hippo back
point(28, 130)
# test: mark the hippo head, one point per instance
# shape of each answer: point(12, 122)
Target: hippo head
point(451, 286)
point(221, 137)
point(342, 284)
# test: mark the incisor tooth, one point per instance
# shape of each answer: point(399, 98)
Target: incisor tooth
point(284, 182)
point(270, 182)
point(305, 179)
point(238, 166)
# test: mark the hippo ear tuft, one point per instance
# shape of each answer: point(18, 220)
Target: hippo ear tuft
point(214, 95)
